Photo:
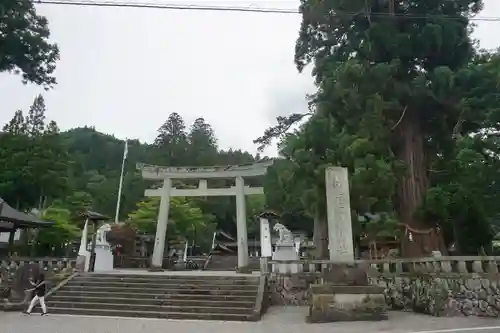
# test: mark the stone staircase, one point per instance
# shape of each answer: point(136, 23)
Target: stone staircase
point(159, 296)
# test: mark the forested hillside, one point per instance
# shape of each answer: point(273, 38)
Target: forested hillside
point(67, 172)
point(97, 160)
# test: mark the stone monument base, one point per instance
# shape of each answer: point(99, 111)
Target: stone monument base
point(332, 303)
point(103, 258)
point(83, 262)
point(286, 252)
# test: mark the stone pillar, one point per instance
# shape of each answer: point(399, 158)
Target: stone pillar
point(161, 226)
point(92, 247)
point(241, 223)
point(83, 259)
point(339, 215)
point(265, 238)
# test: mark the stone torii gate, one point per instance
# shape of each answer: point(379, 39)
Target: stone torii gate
point(237, 172)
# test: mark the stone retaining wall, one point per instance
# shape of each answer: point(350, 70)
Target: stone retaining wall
point(15, 275)
point(290, 290)
point(438, 286)
point(443, 295)
point(422, 293)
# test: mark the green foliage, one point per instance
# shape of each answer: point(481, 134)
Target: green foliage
point(255, 205)
point(203, 137)
point(385, 227)
point(287, 192)
point(186, 220)
point(25, 47)
point(79, 170)
point(172, 141)
point(53, 240)
point(77, 203)
point(144, 218)
point(408, 105)
point(97, 161)
point(34, 161)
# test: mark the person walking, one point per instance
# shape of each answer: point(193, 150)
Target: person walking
point(39, 288)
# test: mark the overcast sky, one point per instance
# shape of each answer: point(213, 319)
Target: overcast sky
point(125, 70)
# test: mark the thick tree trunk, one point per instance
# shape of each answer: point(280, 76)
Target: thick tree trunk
point(320, 237)
point(414, 183)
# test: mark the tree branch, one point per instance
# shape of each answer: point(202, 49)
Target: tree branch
point(400, 119)
point(284, 124)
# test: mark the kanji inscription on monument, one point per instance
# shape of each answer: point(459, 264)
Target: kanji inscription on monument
point(339, 214)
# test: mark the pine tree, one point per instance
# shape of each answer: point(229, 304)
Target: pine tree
point(35, 121)
point(202, 143)
point(171, 142)
point(16, 125)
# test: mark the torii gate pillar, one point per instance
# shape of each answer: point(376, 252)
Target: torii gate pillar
point(241, 223)
point(161, 226)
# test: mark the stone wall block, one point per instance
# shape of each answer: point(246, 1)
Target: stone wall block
point(473, 284)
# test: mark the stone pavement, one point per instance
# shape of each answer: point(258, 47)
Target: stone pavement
point(278, 320)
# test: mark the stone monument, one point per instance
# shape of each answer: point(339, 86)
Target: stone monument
point(345, 294)
point(265, 238)
point(103, 254)
point(298, 242)
point(338, 205)
point(83, 259)
point(285, 250)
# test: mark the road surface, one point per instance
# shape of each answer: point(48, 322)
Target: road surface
point(278, 320)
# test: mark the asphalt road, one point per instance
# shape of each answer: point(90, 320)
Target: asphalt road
point(278, 320)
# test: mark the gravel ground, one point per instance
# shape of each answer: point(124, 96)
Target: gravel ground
point(277, 320)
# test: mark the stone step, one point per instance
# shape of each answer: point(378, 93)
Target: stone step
point(163, 277)
point(181, 285)
point(147, 296)
point(157, 301)
point(174, 290)
point(157, 287)
point(149, 314)
point(147, 307)
point(190, 280)
point(158, 296)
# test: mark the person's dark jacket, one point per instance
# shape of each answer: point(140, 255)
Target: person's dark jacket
point(40, 288)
